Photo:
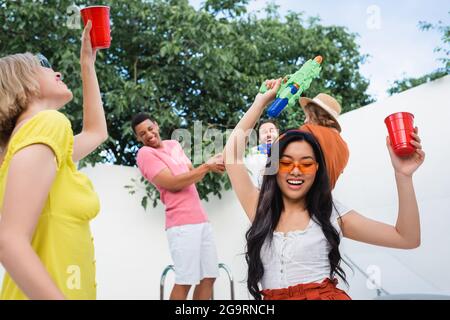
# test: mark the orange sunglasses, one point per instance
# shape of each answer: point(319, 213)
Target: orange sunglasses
point(306, 166)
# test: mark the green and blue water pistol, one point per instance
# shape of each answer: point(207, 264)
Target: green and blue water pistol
point(293, 85)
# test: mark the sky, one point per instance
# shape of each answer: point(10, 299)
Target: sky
point(388, 32)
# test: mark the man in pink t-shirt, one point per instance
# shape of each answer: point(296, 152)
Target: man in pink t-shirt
point(190, 237)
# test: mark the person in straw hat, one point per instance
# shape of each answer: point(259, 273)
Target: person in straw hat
point(321, 114)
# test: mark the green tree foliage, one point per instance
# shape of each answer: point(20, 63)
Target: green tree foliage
point(408, 83)
point(183, 65)
point(444, 48)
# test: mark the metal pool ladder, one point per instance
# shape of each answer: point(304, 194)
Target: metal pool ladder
point(170, 267)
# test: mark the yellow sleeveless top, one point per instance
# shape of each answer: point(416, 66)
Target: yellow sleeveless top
point(62, 238)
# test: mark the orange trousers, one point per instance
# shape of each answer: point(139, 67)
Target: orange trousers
point(326, 290)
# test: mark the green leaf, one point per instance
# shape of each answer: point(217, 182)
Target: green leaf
point(144, 202)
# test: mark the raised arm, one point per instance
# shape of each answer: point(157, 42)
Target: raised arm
point(94, 130)
point(234, 151)
point(25, 195)
point(175, 183)
point(406, 232)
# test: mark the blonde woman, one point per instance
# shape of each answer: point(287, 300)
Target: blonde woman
point(45, 203)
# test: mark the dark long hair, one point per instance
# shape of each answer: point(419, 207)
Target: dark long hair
point(319, 203)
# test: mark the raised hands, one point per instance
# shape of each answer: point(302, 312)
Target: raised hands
point(87, 54)
point(407, 165)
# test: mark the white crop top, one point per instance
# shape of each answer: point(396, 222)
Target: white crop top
point(299, 256)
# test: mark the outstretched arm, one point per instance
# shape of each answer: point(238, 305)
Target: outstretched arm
point(175, 183)
point(406, 232)
point(94, 130)
point(246, 192)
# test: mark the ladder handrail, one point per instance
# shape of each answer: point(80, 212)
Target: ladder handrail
point(163, 280)
point(230, 278)
point(380, 290)
point(171, 267)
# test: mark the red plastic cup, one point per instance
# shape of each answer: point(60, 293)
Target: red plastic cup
point(100, 32)
point(400, 126)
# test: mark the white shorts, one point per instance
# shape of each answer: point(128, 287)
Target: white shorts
point(193, 252)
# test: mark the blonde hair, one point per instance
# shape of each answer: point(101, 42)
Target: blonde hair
point(18, 83)
point(320, 117)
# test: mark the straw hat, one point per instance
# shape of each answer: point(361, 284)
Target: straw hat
point(326, 102)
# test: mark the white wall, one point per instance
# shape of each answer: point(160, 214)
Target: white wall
point(368, 185)
point(131, 245)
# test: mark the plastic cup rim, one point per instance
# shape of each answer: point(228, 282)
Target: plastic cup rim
point(396, 113)
point(390, 118)
point(94, 7)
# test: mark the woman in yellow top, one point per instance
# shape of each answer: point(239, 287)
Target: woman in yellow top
point(45, 203)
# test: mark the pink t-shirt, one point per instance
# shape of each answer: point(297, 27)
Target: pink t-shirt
point(182, 207)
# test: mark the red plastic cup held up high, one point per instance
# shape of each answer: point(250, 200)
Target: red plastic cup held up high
point(100, 32)
point(400, 126)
